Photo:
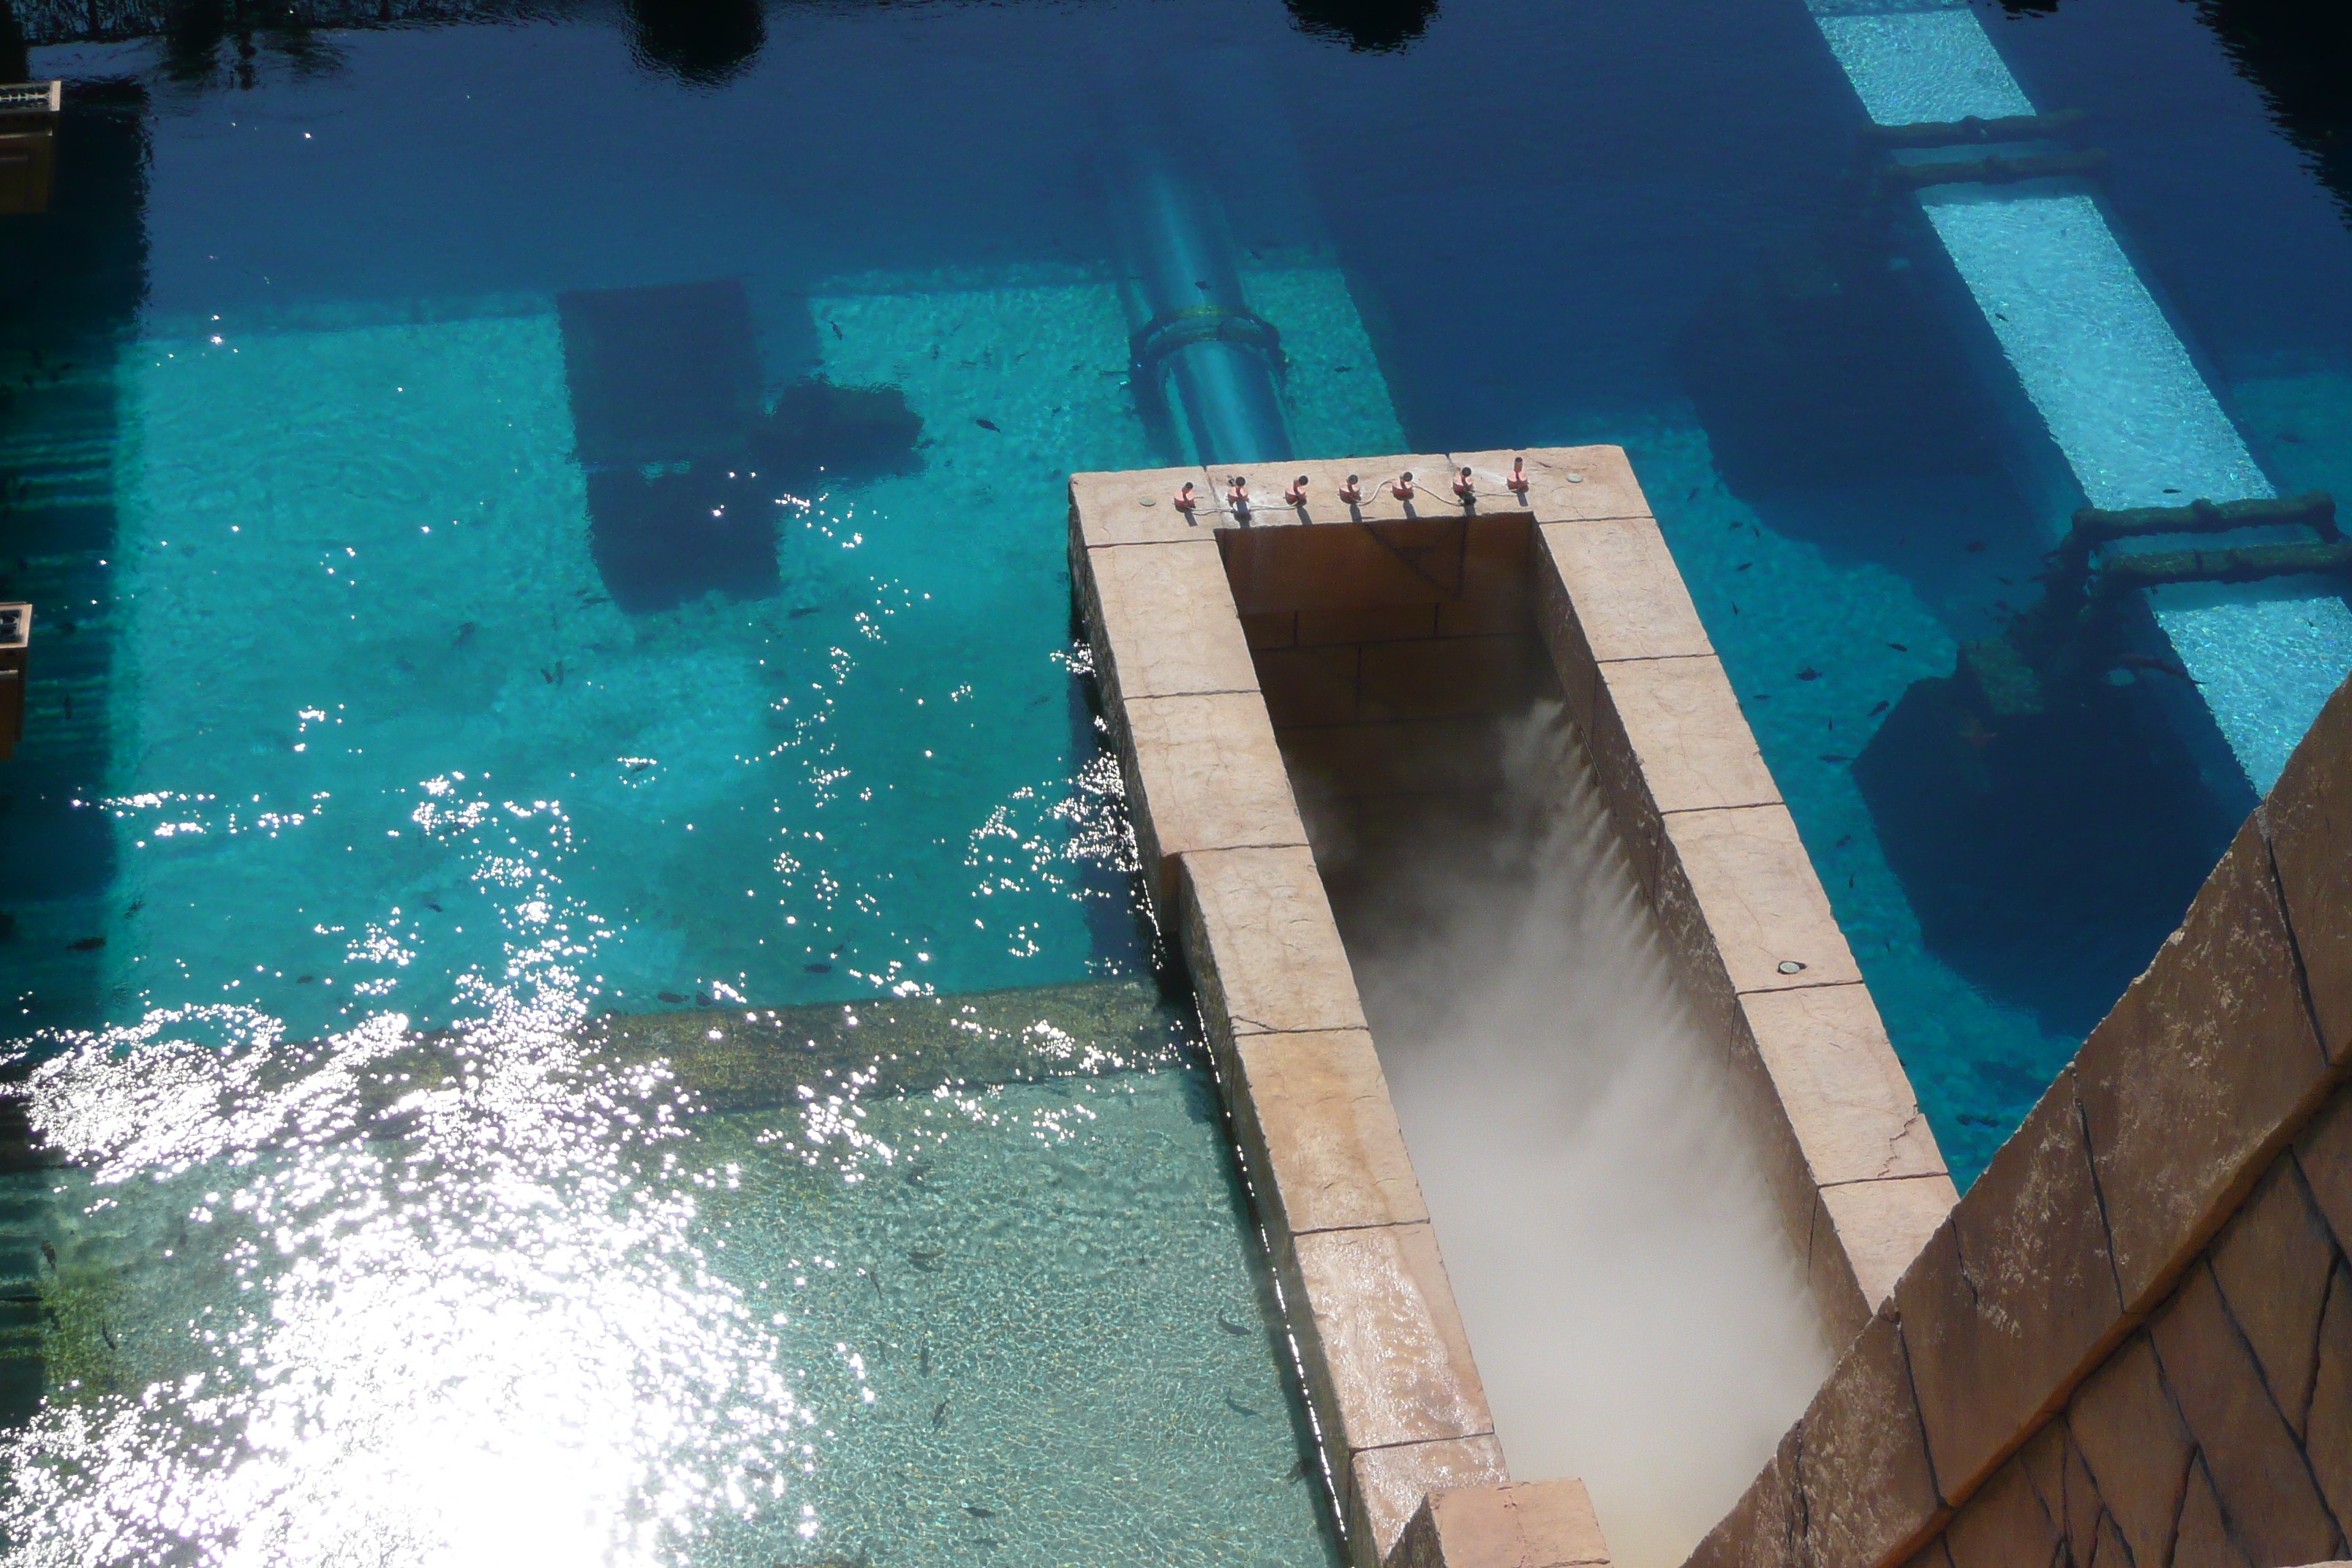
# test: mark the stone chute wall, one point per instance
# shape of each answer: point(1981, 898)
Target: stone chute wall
point(1390, 636)
point(2131, 1343)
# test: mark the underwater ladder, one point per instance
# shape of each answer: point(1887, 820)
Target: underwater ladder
point(2102, 365)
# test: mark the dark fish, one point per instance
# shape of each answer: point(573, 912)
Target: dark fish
point(465, 629)
point(818, 968)
point(1297, 1473)
point(304, 979)
point(1237, 1330)
point(670, 997)
point(1876, 712)
point(836, 329)
point(986, 425)
point(1843, 839)
point(1759, 696)
point(50, 1253)
point(1974, 547)
point(434, 907)
point(2003, 580)
point(1835, 757)
point(107, 1335)
point(803, 611)
point(977, 1511)
point(1898, 647)
point(1694, 494)
point(135, 906)
point(1809, 673)
point(939, 1415)
point(1237, 1406)
point(2123, 661)
point(88, 944)
point(1343, 369)
point(1743, 567)
point(1735, 606)
point(923, 1362)
point(874, 1275)
point(925, 1260)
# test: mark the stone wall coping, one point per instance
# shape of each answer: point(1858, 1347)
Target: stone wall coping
point(1528, 1524)
point(1859, 1180)
point(1390, 1375)
point(2095, 1214)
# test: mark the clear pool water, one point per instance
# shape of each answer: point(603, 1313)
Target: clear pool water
point(460, 615)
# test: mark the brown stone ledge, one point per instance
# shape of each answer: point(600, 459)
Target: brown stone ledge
point(2084, 1301)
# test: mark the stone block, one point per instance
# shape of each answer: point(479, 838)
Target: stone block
point(1497, 592)
point(1313, 1113)
point(1389, 1363)
point(1276, 628)
point(2013, 1297)
point(1448, 678)
point(1667, 736)
point(2055, 1472)
point(1374, 623)
point(1869, 1489)
point(2133, 1446)
point(2265, 1489)
point(1737, 901)
point(1264, 954)
point(2327, 1436)
point(1388, 1487)
point(1429, 756)
point(1401, 561)
point(2003, 1525)
point(1307, 686)
point(1136, 506)
point(1204, 772)
point(1841, 1095)
point(1565, 484)
point(1864, 1235)
point(2273, 1262)
point(1525, 1524)
point(2199, 1073)
point(2324, 1153)
point(1766, 1528)
point(2308, 821)
point(1163, 622)
point(2202, 1538)
point(1623, 589)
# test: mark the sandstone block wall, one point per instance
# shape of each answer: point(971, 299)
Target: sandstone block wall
point(2131, 1343)
point(1359, 657)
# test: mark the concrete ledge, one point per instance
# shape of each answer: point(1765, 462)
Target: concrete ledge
point(1263, 951)
point(1203, 773)
point(1532, 1524)
point(1322, 1139)
point(1162, 621)
point(1389, 1337)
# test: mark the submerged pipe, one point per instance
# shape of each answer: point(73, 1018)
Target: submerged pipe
point(1204, 366)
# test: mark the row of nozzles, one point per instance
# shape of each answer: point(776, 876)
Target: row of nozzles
point(1351, 494)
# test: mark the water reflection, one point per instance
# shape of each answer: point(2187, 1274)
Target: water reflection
point(289, 1338)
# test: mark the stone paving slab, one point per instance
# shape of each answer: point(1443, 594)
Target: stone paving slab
point(1203, 773)
point(1162, 621)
